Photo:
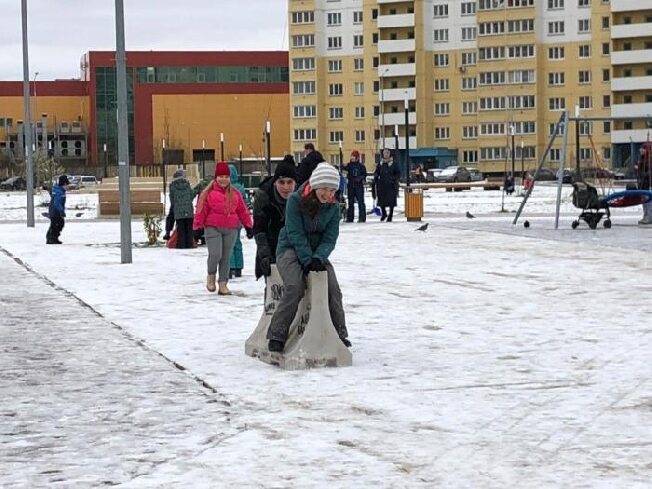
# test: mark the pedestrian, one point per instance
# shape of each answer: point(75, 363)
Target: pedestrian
point(304, 245)
point(269, 213)
point(644, 180)
point(357, 176)
point(236, 264)
point(220, 210)
point(308, 163)
point(57, 210)
point(181, 197)
point(386, 184)
point(509, 184)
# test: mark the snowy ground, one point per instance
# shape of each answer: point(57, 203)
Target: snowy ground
point(485, 355)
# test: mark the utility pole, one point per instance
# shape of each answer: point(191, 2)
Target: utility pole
point(268, 130)
point(221, 146)
point(203, 158)
point(240, 151)
point(29, 177)
point(407, 142)
point(123, 134)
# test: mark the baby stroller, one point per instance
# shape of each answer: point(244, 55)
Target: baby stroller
point(585, 197)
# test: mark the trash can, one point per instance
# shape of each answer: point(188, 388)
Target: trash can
point(413, 204)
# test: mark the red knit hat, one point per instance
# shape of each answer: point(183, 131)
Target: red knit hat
point(222, 169)
point(355, 154)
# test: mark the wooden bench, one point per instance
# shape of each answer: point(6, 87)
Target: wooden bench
point(143, 201)
point(458, 186)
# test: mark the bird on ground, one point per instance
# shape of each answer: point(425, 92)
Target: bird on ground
point(469, 215)
point(422, 228)
point(79, 214)
point(526, 224)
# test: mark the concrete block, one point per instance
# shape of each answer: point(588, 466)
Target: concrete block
point(312, 340)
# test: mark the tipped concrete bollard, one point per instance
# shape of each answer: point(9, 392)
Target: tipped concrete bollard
point(312, 340)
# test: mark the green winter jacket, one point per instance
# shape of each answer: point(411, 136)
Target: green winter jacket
point(181, 197)
point(309, 237)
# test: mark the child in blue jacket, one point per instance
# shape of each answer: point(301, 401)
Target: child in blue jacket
point(57, 211)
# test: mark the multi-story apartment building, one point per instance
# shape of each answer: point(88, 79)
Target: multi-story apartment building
point(471, 73)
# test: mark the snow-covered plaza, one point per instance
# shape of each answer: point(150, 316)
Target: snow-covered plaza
point(485, 355)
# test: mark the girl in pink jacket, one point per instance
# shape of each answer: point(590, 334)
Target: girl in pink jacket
point(220, 210)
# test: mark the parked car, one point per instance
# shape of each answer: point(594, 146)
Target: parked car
point(433, 173)
point(14, 183)
point(476, 175)
point(453, 174)
point(545, 174)
point(87, 181)
point(568, 175)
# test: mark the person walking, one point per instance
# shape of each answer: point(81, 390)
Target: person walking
point(305, 243)
point(57, 211)
point(181, 197)
point(357, 176)
point(386, 184)
point(236, 263)
point(269, 213)
point(644, 180)
point(308, 163)
point(220, 210)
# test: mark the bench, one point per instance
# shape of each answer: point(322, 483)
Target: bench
point(143, 201)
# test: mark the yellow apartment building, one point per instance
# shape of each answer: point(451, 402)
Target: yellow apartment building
point(477, 76)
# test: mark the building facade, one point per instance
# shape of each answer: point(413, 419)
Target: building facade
point(479, 77)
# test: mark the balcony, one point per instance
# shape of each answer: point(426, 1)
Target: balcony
point(628, 31)
point(397, 46)
point(398, 118)
point(631, 83)
point(391, 94)
point(631, 57)
point(405, 69)
point(397, 20)
point(632, 110)
point(626, 5)
point(628, 136)
point(391, 143)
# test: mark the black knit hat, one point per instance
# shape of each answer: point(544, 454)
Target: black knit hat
point(63, 180)
point(286, 169)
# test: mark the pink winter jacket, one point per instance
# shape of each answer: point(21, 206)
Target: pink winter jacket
point(213, 209)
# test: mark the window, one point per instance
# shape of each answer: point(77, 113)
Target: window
point(583, 3)
point(303, 64)
point(525, 127)
point(491, 28)
point(469, 83)
point(521, 76)
point(374, 14)
point(493, 153)
point(468, 34)
point(520, 25)
point(524, 51)
point(358, 88)
point(440, 35)
point(584, 50)
point(303, 41)
point(584, 76)
point(334, 65)
point(522, 101)
point(468, 8)
point(305, 134)
point(305, 111)
point(374, 38)
point(556, 53)
point(442, 109)
point(360, 136)
point(358, 64)
point(334, 18)
point(492, 129)
point(469, 132)
point(359, 112)
point(441, 11)
point(586, 128)
point(305, 17)
point(555, 154)
point(553, 126)
point(556, 79)
point(442, 59)
point(358, 41)
point(492, 103)
point(586, 154)
point(335, 136)
point(492, 77)
point(555, 4)
point(469, 108)
point(469, 58)
point(584, 26)
point(376, 86)
point(441, 85)
point(585, 102)
point(605, 22)
point(357, 17)
point(605, 48)
point(470, 156)
point(335, 42)
point(442, 133)
point(556, 28)
point(606, 127)
point(335, 89)
point(606, 153)
point(491, 53)
point(335, 113)
point(303, 88)
point(606, 75)
point(556, 103)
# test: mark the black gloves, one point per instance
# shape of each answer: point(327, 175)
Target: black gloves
point(315, 265)
point(265, 266)
point(250, 233)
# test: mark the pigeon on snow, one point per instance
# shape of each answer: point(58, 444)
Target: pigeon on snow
point(422, 228)
point(469, 215)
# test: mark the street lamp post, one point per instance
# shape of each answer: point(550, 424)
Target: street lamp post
point(164, 173)
point(105, 160)
point(240, 151)
point(203, 168)
point(268, 130)
point(512, 131)
point(522, 162)
point(27, 116)
point(341, 158)
point(382, 108)
point(407, 142)
point(396, 139)
point(221, 146)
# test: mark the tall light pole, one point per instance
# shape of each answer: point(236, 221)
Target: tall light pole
point(382, 109)
point(240, 151)
point(203, 168)
point(512, 131)
point(29, 177)
point(268, 130)
point(396, 139)
point(522, 162)
point(407, 142)
point(123, 134)
point(221, 146)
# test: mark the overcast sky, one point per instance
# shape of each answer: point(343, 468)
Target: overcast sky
point(60, 31)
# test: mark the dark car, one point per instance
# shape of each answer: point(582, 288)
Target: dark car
point(453, 174)
point(13, 183)
point(568, 175)
point(546, 174)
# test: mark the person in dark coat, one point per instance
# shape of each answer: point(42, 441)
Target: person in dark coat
point(269, 213)
point(386, 184)
point(644, 180)
point(312, 225)
point(181, 197)
point(308, 163)
point(357, 176)
point(57, 211)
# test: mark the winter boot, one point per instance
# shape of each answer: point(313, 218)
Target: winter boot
point(645, 221)
point(223, 289)
point(210, 282)
point(276, 346)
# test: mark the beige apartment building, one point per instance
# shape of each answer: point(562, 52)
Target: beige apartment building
point(477, 76)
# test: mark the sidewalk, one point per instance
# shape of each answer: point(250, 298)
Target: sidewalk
point(85, 405)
